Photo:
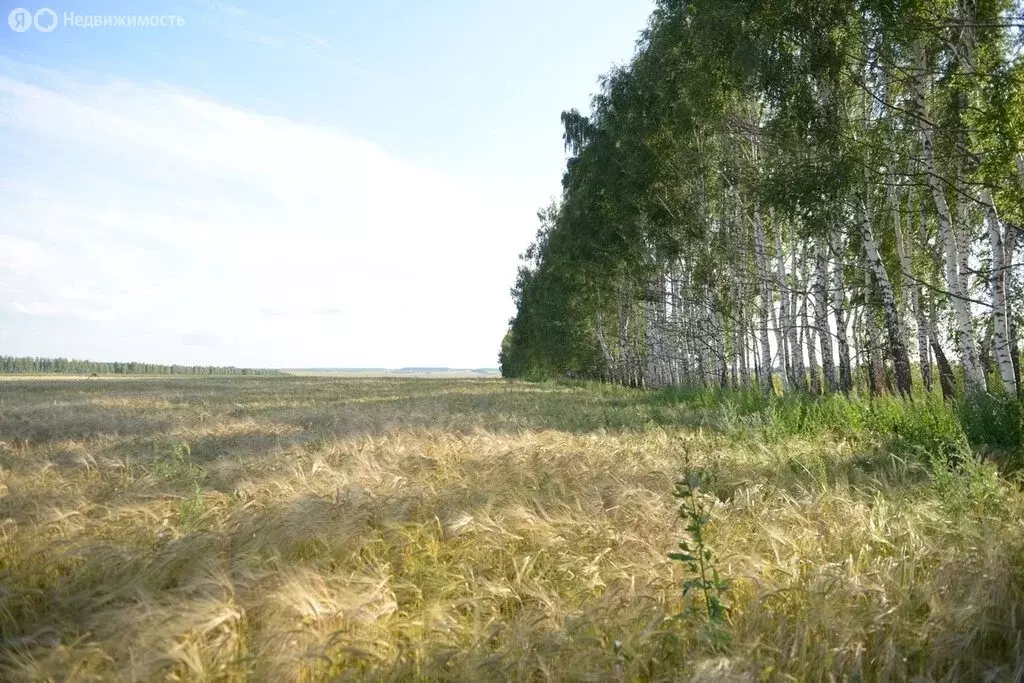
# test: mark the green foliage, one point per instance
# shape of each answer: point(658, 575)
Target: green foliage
point(968, 486)
point(191, 510)
point(695, 554)
point(552, 333)
point(994, 421)
point(915, 429)
point(921, 429)
point(174, 463)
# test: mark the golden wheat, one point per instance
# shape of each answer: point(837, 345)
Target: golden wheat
point(313, 528)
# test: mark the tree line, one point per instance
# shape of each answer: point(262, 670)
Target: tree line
point(797, 195)
point(65, 366)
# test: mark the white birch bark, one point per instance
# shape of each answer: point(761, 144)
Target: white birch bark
point(741, 344)
point(810, 332)
point(821, 316)
point(796, 346)
point(1004, 358)
point(963, 234)
point(625, 365)
point(734, 356)
point(764, 282)
point(839, 308)
point(1019, 158)
point(906, 279)
point(887, 299)
point(664, 347)
point(913, 286)
point(602, 342)
point(973, 372)
point(1010, 251)
point(873, 341)
point(650, 365)
point(721, 365)
point(782, 329)
point(677, 320)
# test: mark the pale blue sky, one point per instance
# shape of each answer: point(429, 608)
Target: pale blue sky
point(347, 184)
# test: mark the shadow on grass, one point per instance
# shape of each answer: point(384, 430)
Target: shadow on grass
point(47, 411)
point(142, 421)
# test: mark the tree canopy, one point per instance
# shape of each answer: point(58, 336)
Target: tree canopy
point(804, 195)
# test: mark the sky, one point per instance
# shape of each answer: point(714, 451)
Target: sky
point(348, 184)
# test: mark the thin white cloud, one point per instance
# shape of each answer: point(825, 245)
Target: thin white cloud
point(190, 218)
point(236, 23)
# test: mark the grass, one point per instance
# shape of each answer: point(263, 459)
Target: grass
point(302, 528)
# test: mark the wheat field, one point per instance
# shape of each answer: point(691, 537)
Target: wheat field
point(304, 528)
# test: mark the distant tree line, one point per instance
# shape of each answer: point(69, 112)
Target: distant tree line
point(66, 366)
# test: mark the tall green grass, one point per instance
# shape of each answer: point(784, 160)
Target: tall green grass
point(921, 428)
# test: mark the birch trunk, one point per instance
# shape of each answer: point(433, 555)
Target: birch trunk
point(873, 341)
point(734, 366)
point(812, 352)
point(661, 328)
point(1001, 342)
point(676, 331)
point(860, 347)
point(606, 353)
point(765, 303)
point(756, 364)
point(946, 380)
point(782, 329)
point(893, 324)
point(839, 307)
point(625, 369)
point(973, 372)
point(1010, 246)
point(821, 317)
point(689, 359)
point(723, 365)
point(906, 279)
point(703, 350)
point(916, 303)
point(733, 332)
point(962, 234)
point(650, 369)
point(798, 374)
point(741, 345)
point(665, 331)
